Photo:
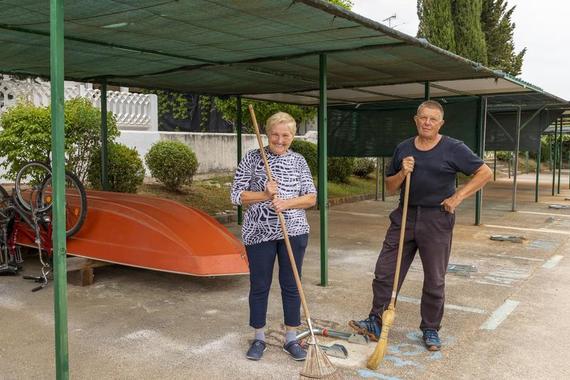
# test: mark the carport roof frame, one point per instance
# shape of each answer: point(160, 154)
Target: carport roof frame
point(266, 49)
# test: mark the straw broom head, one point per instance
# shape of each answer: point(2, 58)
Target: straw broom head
point(377, 356)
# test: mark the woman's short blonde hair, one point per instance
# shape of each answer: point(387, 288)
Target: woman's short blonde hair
point(278, 118)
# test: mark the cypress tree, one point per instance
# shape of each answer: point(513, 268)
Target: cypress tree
point(469, 37)
point(498, 29)
point(436, 24)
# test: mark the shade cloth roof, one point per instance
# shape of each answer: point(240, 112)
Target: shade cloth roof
point(266, 49)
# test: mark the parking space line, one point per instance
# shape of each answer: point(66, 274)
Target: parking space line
point(552, 262)
point(544, 230)
point(543, 213)
point(357, 213)
point(517, 257)
point(499, 315)
point(467, 309)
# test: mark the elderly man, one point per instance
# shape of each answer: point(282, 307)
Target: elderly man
point(433, 161)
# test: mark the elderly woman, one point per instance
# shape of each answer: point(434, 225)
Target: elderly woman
point(291, 192)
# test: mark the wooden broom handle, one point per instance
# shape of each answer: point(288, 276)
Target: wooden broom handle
point(281, 220)
point(402, 238)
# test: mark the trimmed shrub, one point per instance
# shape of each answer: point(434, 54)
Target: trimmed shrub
point(363, 167)
point(308, 150)
point(340, 168)
point(172, 162)
point(125, 172)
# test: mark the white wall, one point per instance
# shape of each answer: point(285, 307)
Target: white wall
point(216, 152)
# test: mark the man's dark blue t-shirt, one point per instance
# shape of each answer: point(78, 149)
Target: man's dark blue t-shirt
point(433, 178)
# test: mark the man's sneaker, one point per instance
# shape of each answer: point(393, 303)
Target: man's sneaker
point(431, 340)
point(371, 327)
point(256, 350)
point(294, 349)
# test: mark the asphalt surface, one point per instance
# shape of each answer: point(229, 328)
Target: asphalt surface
point(506, 312)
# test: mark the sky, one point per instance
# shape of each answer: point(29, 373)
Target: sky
point(540, 27)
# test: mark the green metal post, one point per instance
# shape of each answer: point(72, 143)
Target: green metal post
point(538, 154)
point(104, 146)
point(481, 127)
point(426, 91)
point(239, 146)
point(377, 187)
point(554, 156)
point(569, 170)
point(559, 156)
point(494, 166)
point(550, 152)
point(526, 161)
point(323, 180)
point(58, 181)
point(516, 159)
point(383, 180)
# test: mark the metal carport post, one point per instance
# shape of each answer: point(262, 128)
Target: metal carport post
point(516, 161)
point(481, 131)
point(104, 132)
point(322, 180)
point(58, 180)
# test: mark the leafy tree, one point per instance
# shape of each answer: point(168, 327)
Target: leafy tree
point(469, 37)
point(436, 23)
point(498, 28)
point(26, 135)
point(262, 111)
point(343, 3)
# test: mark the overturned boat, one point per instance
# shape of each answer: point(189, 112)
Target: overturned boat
point(157, 234)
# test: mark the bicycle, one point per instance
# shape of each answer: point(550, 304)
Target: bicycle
point(26, 217)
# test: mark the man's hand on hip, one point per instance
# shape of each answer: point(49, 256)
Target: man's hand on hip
point(451, 203)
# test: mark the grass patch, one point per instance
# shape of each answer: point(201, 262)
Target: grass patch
point(213, 195)
point(355, 186)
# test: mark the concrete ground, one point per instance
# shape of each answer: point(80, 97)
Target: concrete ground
point(506, 312)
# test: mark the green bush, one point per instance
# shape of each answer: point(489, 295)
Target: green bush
point(172, 162)
point(125, 170)
point(308, 150)
point(340, 168)
point(363, 167)
point(26, 135)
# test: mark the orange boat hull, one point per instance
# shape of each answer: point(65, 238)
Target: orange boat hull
point(158, 234)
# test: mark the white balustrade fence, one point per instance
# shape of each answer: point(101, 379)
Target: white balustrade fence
point(133, 111)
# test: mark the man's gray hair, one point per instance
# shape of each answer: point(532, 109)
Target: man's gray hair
point(430, 104)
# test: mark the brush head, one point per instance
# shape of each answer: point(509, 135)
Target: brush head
point(317, 364)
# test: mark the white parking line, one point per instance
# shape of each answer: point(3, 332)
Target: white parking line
point(416, 301)
point(517, 257)
point(357, 213)
point(499, 315)
point(552, 262)
point(544, 230)
point(543, 213)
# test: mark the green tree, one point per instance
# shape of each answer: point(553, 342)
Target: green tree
point(26, 135)
point(436, 23)
point(343, 3)
point(469, 36)
point(263, 110)
point(498, 29)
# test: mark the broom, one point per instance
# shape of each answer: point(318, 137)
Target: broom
point(389, 314)
point(317, 364)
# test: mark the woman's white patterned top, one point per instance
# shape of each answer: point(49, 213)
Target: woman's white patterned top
point(293, 178)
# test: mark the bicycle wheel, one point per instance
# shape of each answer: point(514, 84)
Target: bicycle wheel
point(75, 201)
point(4, 197)
point(28, 185)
